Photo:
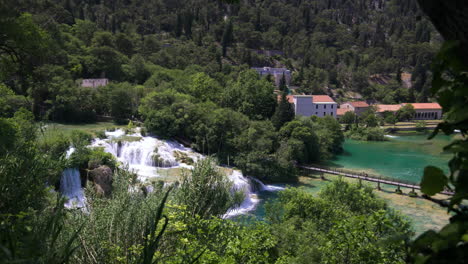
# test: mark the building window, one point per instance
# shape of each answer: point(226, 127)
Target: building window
point(324, 113)
point(331, 106)
point(316, 106)
point(316, 113)
point(324, 106)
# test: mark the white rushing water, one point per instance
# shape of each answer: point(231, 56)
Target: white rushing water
point(70, 186)
point(149, 155)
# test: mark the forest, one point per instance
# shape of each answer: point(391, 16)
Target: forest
point(182, 70)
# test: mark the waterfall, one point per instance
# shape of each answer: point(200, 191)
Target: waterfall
point(70, 186)
point(266, 187)
point(251, 200)
point(149, 154)
point(144, 156)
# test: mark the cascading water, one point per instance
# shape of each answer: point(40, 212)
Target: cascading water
point(70, 186)
point(242, 184)
point(148, 155)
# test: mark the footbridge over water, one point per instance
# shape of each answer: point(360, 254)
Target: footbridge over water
point(369, 178)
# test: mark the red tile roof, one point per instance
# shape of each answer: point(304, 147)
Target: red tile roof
point(289, 97)
point(342, 111)
point(322, 99)
point(315, 98)
point(422, 106)
point(359, 104)
point(389, 107)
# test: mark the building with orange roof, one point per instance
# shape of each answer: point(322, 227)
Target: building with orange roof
point(341, 111)
point(381, 108)
point(313, 105)
point(424, 111)
point(357, 107)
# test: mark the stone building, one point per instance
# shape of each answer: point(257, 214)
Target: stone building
point(276, 73)
point(93, 83)
point(357, 107)
point(313, 105)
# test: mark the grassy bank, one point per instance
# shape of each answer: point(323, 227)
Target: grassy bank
point(423, 214)
point(49, 129)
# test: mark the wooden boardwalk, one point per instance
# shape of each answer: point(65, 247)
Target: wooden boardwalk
point(366, 177)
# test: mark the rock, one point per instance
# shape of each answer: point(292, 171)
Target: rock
point(102, 179)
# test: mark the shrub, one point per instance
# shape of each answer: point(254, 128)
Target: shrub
point(80, 138)
point(101, 134)
point(421, 126)
point(143, 131)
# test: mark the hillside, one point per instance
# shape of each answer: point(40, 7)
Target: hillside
point(330, 45)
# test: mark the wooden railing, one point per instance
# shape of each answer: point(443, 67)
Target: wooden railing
point(367, 177)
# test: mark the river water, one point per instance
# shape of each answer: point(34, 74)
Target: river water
point(402, 157)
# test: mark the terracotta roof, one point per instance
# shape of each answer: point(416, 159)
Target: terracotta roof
point(422, 106)
point(342, 111)
point(289, 97)
point(322, 99)
point(359, 104)
point(389, 107)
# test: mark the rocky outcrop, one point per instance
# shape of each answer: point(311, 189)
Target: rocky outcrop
point(102, 179)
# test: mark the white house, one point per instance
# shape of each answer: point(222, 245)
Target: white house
point(313, 105)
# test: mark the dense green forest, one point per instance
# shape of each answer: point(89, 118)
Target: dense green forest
point(181, 68)
point(333, 47)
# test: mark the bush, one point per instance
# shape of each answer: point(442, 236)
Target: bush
point(80, 138)
point(55, 144)
point(101, 134)
point(421, 126)
point(143, 131)
point(366, 134)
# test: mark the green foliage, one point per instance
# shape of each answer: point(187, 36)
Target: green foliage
point(449, 86)
point(284, 112)
point(346, 222)
point(348, 118)
point(406, 112)
point(206, 191)
point(421, 126)
point(366, 133)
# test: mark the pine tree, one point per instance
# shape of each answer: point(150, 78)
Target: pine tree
point(188, 21)
point(179, 26)
point(398, 74)
point(283, 113)
point(282, 85)
point(227, 37)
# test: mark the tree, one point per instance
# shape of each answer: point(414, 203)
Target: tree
point(371, 120)
point(227, 37)
point(283, 87)
point(406, 112)
point(206, 191)
point(284, 112)
point(348, 118)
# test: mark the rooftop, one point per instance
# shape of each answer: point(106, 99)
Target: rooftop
point(322, 99)
point(359, 104)
point(342, 111)
point(315, 98)
point(387, 107)
point(422, 106)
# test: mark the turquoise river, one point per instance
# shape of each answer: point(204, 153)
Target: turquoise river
point(401, 157)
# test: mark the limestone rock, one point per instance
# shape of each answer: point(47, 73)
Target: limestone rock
point(102, 178)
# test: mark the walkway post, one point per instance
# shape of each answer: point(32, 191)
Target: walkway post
point(322, 176)
point(378, 185)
